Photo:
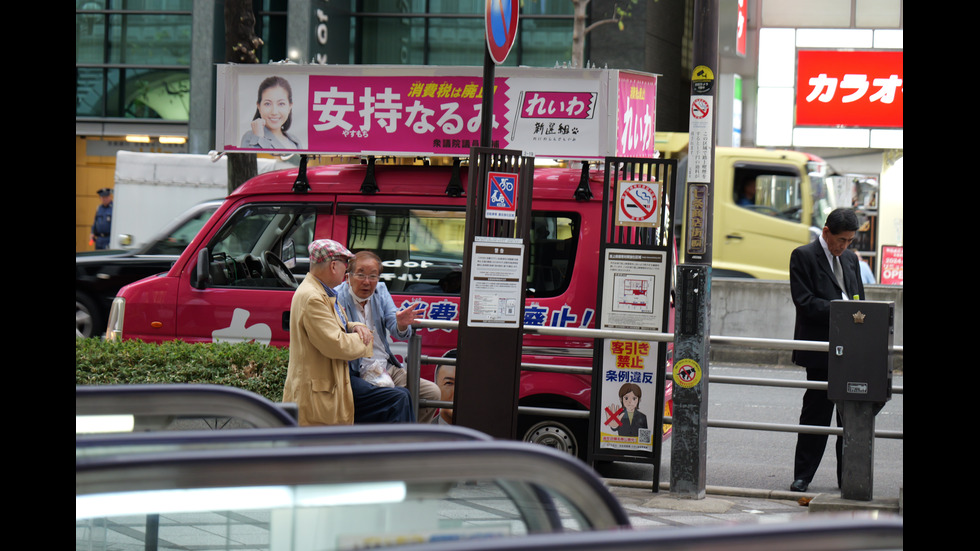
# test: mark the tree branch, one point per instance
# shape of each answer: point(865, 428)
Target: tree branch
point(603, 22)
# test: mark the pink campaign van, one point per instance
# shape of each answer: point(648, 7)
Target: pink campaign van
point(235, 280)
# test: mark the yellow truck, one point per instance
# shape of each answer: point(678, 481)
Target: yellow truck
point(767, 202)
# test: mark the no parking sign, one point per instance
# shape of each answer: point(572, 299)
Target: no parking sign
point(638, 204)
point(500, 23)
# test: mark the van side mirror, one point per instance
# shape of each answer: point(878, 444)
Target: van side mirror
point(203, 272)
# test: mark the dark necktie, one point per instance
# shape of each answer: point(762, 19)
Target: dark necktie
point(839, 274)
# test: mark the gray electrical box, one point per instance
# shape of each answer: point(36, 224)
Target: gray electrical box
point(860, 362)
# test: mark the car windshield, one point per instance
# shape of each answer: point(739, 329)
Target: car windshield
point(177, 240)
point(258, 228)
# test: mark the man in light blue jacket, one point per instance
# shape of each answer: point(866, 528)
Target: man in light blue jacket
point(367, 300)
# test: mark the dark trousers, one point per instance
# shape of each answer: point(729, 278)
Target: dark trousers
point(816, 410)
point(374, 404)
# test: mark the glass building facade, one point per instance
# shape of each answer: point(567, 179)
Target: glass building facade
point(133, 57)
point(450, 32)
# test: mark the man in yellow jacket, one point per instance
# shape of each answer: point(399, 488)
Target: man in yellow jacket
point(322, 341)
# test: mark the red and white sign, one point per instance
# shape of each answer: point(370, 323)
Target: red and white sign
point(501, 27)
point(740, 30)
point(854, 88)
point(891, 265)
point(501, 195)
point(638, 204)
point(699, 108)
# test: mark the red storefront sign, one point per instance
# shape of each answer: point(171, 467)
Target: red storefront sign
point(740, 30)
point(855, 88)
point(892, 265)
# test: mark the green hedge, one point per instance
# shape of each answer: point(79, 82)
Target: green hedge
point(254, 367)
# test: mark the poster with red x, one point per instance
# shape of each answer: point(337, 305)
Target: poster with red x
point(628, 394)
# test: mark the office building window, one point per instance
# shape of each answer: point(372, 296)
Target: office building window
point(451, 32)
point(270, 26)
point(132, 59)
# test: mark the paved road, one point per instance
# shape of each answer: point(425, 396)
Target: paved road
point(763, 459)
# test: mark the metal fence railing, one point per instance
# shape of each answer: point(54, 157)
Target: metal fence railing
point(416, 359)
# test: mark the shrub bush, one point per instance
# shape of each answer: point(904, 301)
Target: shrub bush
point(250, 366)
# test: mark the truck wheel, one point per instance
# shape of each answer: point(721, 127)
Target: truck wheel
point(557, 435)
point(87, 319)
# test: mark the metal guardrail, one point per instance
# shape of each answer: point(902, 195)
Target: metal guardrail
point(415, 359)
point(158, 404)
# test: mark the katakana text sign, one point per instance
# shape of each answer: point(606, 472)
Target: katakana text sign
point(853, 88)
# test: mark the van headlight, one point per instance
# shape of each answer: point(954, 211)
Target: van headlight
point(114, 328)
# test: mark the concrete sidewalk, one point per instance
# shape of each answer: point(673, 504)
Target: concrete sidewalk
point(726, 505)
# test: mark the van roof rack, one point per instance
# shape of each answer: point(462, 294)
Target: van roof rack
point(370, 183)
point(455, 186)
point(584, 191)
point(302, 183)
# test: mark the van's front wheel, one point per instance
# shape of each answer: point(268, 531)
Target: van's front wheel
point(569, 437)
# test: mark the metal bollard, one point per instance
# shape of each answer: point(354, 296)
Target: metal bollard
point(859, 382)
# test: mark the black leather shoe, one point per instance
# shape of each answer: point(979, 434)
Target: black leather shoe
point(799, 485)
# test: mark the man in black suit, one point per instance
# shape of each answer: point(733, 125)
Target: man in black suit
point(813, 284)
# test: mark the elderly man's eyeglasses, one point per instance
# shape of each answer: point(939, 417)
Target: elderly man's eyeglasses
point(361, 277)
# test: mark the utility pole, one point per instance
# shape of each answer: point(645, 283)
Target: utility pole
point(688, 451)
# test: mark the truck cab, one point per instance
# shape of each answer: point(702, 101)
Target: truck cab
point(235, 281)
point(766, 203)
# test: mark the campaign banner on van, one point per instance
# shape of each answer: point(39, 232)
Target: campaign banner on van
point(637, 112)
point(426, 110)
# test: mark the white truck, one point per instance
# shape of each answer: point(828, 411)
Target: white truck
point(151, 189)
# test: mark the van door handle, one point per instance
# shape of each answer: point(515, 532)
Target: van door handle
point(733, 236)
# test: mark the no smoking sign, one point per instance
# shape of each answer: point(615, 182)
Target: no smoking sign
point(699, 108)
point(638, 204)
